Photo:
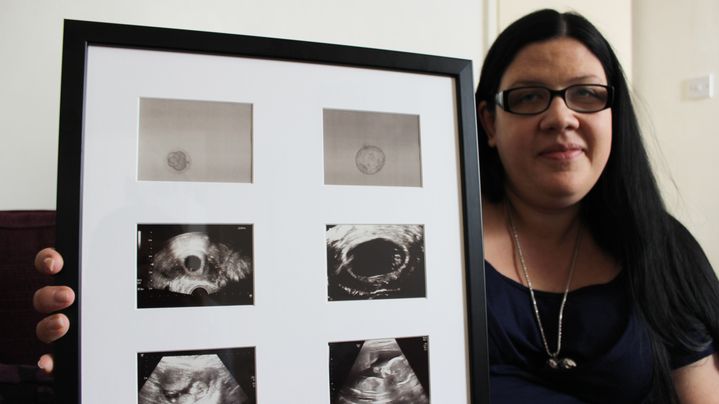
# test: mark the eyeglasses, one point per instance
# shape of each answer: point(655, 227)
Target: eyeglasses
point(533, 100)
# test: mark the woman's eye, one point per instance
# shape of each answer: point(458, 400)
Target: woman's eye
point(588, 92)
point(528, 97)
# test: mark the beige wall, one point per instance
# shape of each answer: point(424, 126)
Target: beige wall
point(673, 42)
point(31, 37)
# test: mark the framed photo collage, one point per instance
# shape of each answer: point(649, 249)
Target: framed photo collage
point(256, 220)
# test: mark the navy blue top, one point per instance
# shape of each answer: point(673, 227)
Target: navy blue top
point(601, 331)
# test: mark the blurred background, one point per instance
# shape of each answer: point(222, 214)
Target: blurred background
point(669, 49)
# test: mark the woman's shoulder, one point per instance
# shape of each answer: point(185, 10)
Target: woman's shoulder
point(684, 244)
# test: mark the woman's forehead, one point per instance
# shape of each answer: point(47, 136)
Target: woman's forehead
point(557, 62)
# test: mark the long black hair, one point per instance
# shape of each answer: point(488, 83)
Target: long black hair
point(671, 280)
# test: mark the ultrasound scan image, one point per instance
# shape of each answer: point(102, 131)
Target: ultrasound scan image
point(199, 377)
point(371, 148)
point(380, 371)
point(194, 265)
point(194, 140)
point(368, 261)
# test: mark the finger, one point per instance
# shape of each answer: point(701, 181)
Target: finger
point(46, 363)
point(48, 261)
point(52, 327)
point(52, 298)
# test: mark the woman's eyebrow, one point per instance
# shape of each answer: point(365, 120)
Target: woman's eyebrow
point(522, 83)
point(584, 79)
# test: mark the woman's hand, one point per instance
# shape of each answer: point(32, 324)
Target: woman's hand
point(50, 299)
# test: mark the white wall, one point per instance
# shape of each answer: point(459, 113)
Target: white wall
point(676, 41)
point(31, 48)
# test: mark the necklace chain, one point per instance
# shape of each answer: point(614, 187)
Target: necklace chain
point(554, 360)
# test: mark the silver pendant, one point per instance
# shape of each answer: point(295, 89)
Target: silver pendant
point(567, 363)
point(563, 363)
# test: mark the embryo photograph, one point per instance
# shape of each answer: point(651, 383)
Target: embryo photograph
point(375, 261)
point(389, 371)
point(371, 148)
point(222, 376)
point(190, 140)
point(181, 265)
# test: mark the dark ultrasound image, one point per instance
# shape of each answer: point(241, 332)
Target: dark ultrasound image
point(380, 371)
point(368, 261)
point(224, 376)
point(194, 265)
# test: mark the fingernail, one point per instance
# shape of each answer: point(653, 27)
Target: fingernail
point(50, 263)
point(62, 296)
point(57, 324)
point(40, 364)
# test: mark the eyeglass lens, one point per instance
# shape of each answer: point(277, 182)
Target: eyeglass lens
point(580, 98)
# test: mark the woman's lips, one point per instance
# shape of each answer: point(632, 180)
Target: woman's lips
point(561, 152)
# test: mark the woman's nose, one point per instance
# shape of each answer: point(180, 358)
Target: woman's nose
point(558, 117)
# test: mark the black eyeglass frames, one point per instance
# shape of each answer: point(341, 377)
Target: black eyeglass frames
point(531, 100)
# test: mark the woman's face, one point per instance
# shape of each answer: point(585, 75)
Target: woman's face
point(552, 159)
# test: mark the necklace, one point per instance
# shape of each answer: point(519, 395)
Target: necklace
point(554, 361)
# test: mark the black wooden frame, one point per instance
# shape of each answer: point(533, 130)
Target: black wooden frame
point(79, 35)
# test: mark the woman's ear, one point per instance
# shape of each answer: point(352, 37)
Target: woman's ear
point(487, 120)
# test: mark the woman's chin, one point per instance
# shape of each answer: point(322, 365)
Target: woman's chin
point(562, 198)
point(554, 195)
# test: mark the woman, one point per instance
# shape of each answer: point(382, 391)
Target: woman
point(570, 204)
point(595, 293)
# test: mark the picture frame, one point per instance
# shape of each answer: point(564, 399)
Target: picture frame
point(267, 219)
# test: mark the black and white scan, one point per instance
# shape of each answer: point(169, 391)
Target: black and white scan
point(224, 377)
point(371, 148)
point(380, 371)
point(194, 140)
point(194, 265)
point(368, 261)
